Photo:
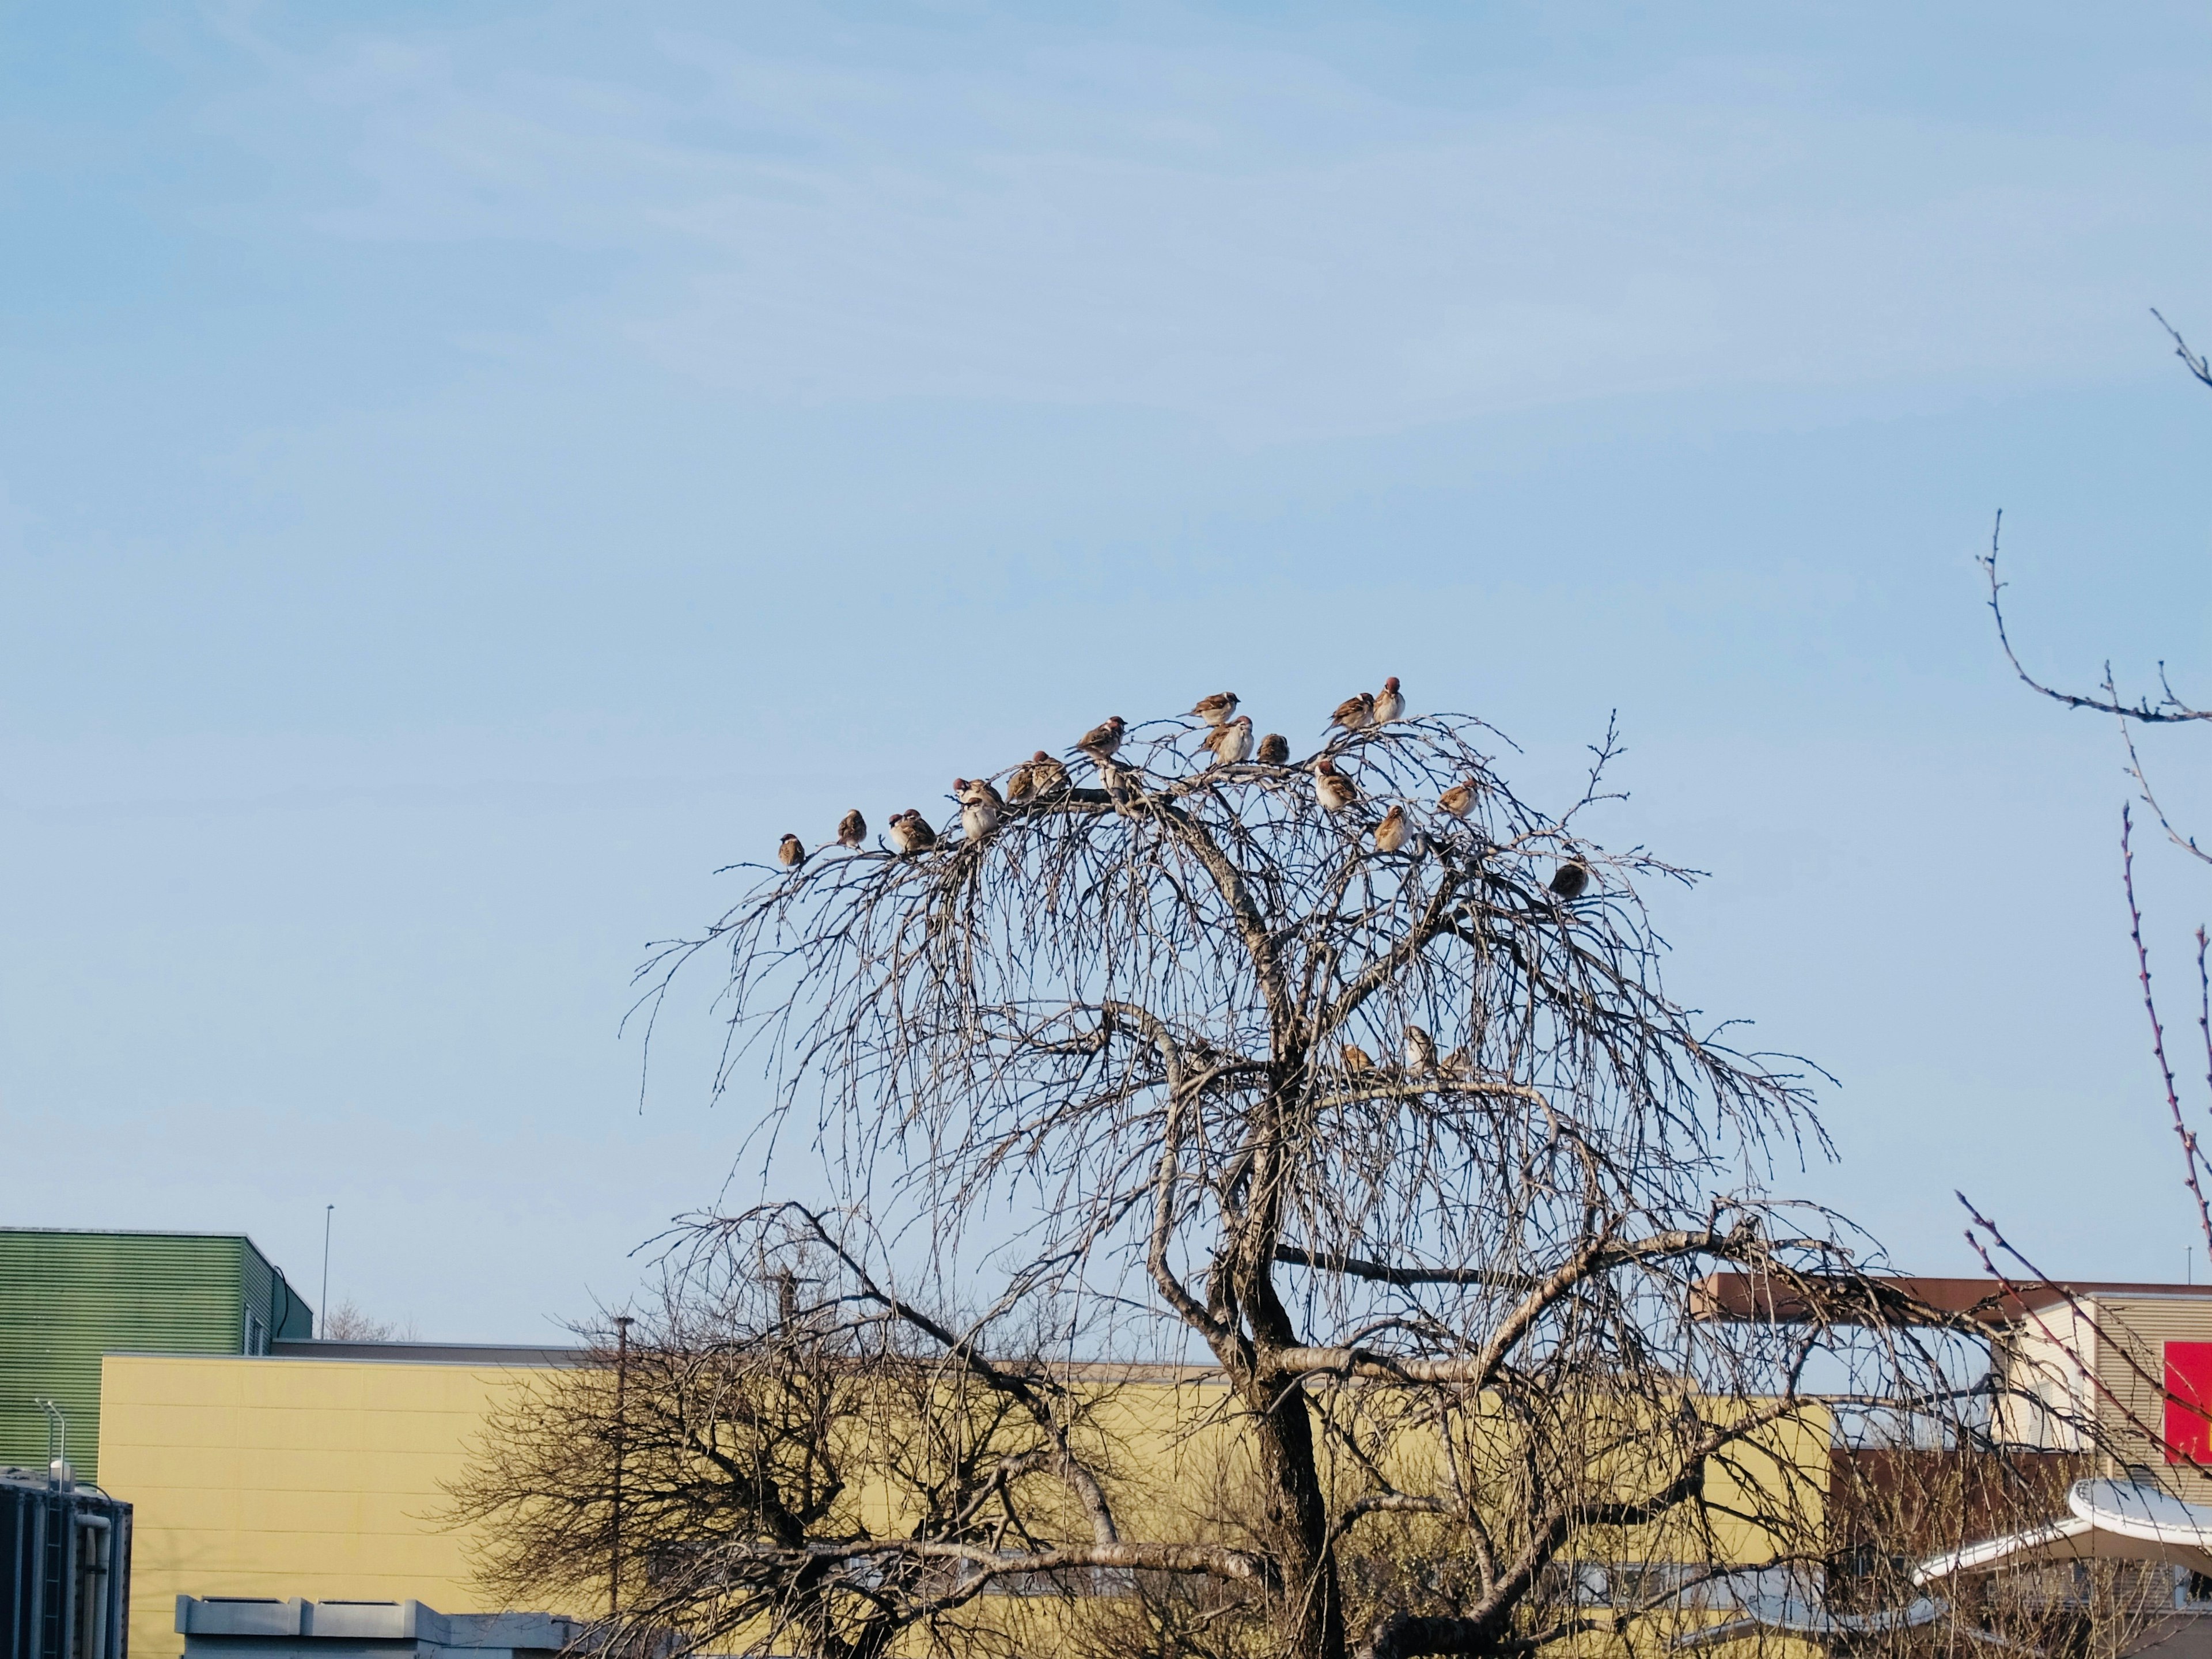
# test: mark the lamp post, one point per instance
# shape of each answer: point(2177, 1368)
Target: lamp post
point(323, 1307)
point(621, 1390)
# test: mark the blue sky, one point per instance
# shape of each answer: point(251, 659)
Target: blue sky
point(463, 481)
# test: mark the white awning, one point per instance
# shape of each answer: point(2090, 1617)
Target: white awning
point(1801, 1618)
point(2110, 1520)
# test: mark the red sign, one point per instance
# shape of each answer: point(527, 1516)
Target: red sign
point(2189, 1402)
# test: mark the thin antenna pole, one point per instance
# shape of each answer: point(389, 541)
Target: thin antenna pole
point(622, 1389)
point(323, 1307)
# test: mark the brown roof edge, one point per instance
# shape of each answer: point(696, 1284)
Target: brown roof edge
point(1900, 1299)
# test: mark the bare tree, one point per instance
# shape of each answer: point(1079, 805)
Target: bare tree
point(2167, 709)
point(1179, 1019)
point(750, 1466)
point(2135, 1414)
point(348, 1322)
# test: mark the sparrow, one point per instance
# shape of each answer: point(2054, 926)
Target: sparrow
point(1046, 774)
point(1102, 740)
point(1216, 709)
point(852, 828)
point(1459, 1063)
point(1355, 1058)
point(1389, 702)
point(1390, 835)
point(1275, 748)
point(1420, 1051)
point(980, 806)
point(1355, 713)
point(1459, 799)
point(1040, 775)
point(910, 832)
point(1331, 787)
point(1569, 880)
point(791, 853)
point(1229, 743)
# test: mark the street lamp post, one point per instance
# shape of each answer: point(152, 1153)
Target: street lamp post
point(323, 1307)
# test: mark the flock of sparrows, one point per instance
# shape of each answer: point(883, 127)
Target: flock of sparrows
point(1228, 739)
point(1420, 1058)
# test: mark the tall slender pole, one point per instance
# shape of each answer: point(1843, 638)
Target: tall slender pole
point(323, 1307)
point(622, 1392)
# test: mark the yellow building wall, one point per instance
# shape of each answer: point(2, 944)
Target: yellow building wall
point(318, 1478)
point(323, 1478)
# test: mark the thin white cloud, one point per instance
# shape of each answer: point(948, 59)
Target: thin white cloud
point(1247, 237)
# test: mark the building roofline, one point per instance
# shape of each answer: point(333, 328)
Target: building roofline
point(131, 1232)
point(1905, 1298)
point(324, 1349)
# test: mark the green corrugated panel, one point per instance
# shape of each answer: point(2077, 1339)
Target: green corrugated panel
point(260, 1286)
point(295, 1319)
point(66, 1298)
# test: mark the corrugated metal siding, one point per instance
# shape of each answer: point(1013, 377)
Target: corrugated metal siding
point(2137, 1329)
point(260, 1293)
point(295, 1319)
point(66, 1298)
point(271, 1299)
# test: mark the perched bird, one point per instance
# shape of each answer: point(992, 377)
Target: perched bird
point(791, 853)
point(1355, 713)
point(1389, 702)
point(1037, 776)
point(1569, 880)
point(1355, 1058)
point(852, 828)
point(1229, 743)
point(1275, 748)
point(1331, 787)
point(1216, 709)
point(1391, 834)
point(1102, 740)
point(980, 806)
point(1420, 1051)
point(910, 832)
point(1459, 1063)
point(1459, 799)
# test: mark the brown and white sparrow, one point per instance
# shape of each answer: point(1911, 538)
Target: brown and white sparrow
point(1571, 878)
point(980, 806)
point(1459, 1064)
point(1331, 788)
point(1355, 713)
point(1102, 740)
point(791, 853)
point(910, 832)
point(852, 828)
point(1229, 743)
point(1355, 1058)
point(1217, 709)
point(1035, 777)
point(1459, 799)
point(1274, 749)
point(1390, 835)
point(1389, 702)
point(1420, 1051)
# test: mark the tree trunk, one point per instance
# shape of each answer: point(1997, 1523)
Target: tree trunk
point(1312, 1619)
